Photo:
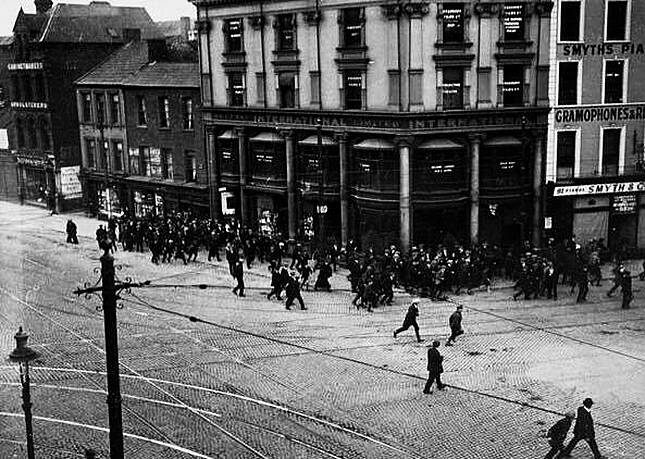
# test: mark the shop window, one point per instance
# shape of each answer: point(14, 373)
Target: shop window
point(166, 164)
point(513, 86)
point(90, 148)
point(236, 89)
point(151, 160)
point(367, 173)
point(287, 86)
point(164, 112)
point(616, 20)
point(100, 109)
point(503, 167)
point(567, 83)
point(570, 20)
point(142, 114)
point(233, 42)
point(115, 109)
point(452, 22)
point(614, 76)
point(352, 90)
point(228, 159)
point(190, 166)
point(513, 22)
point(442, 169)
point(352, 28)
point(452, 89)
point(566, 154)
point(188, 113)
point(610, 151)
point(117, 155)
point(265, 163)
point(86, 102)
point(134, 161)
point(285, 32)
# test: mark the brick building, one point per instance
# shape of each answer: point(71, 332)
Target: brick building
point(595, 167)
point(423, 121)
point(140, 133)
point(52, 48)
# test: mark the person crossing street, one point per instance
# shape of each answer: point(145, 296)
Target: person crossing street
point(238, 274)
point(455, 325)
point(411, 320)
point(435, 368)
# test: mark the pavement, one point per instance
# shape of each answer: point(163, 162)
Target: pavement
point(251, 379)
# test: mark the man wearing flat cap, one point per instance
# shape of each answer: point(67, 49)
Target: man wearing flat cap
point(558, 433)
point(411, 320)
point(583, 430)
point(435, 368)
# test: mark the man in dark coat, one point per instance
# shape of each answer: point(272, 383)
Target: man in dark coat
point(322, 282)
point(583, 430)
point(455, 325)
point(626, 287)
point(583, 285)
point(411, 320)
point(435, 368)
point(293, 292)
point(238, 274)
point(71, 232)
point(558, 433)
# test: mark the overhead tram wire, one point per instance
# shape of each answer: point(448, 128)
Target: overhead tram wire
point(385, 369)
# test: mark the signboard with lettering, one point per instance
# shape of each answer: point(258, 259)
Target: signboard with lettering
point(69, 182)
point(624, 204)
point(30, 105)
point(513, 17)
point(602, 49)
point(593, 114)
point(25, 66)
point(599, 188)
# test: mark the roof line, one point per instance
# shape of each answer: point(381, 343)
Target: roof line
point(49, 21)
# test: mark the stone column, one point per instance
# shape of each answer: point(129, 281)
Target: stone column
point(241, 150)
point(405, 207)
point(291, 184)
point(475, 144)
point(215, 200)
point(344, 189)
point(536, 230)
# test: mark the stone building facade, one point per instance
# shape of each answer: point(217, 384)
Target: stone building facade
point(596, 154)
point(387, 122)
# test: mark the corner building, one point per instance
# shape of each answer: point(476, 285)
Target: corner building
point(595, 167)
point(406, 122)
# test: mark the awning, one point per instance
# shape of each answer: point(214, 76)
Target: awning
point(440, 144)
point(313, 140)
point(228, 135)
point(374, 144)
point(503, 141)
point(267, 137)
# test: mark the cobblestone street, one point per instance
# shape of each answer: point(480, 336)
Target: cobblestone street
point(253, 379)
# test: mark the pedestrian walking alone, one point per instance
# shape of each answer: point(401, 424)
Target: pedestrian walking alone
point(583, 430)
point(558, 433)
point(583, 285)
point(293, 292)
point(238, 274)
point(411, 320)
point(455, 325)
point(71, 231)
point(435, 368)
point(626, 288)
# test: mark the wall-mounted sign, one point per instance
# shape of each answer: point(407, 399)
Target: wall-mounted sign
point(593, 114)
point(30, 105)
point(599, 188)
point(624, 204)
point(4, 140)
point(513, 22)
point(548, 222)
point(602, 49)
point(25, 66)
point(69, 183)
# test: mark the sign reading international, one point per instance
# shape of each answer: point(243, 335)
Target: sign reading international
point(599, 188)
point(624, 204)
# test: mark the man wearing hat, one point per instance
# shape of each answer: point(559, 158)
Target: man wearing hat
point(411, 320)
point(583, 430)
point(558, 433)
point(238, 274)
point(626, 288)
point(455, 325)
point(435, 368)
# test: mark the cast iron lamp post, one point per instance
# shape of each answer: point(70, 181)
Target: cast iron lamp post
point(23, 355)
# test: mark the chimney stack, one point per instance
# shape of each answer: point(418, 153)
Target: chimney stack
point(42, 6)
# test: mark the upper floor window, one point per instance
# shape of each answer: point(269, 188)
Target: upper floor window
point(452, 22)
point(166, 164)
point(287, 86)
point(188, 113)
point(566, 154)
point(567, 83)
point(452, 89)
point(616, 25)
point(115, 109)
point(190, 166)
point(117, 155)
point(513, 22)
point(100, 109)
point(44, 134)
point(570, 20)
point(90, 148)
point(614, 81)
point(86, 102)
point(353, 23)
point(611, 140)
point(164, 112)
point(513, 86)
point(142, 114)
point(236, 89)
point(285, 30)
point(233, 40)
point(352, 96)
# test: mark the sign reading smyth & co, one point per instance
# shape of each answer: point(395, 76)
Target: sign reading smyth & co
point(600, 114)
point(599, 188)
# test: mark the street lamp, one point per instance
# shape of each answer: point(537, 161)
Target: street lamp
point(23, 355)
point(321, 208)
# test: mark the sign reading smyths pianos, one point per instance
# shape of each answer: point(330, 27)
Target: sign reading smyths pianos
point(599, 188)
point(600, 113)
